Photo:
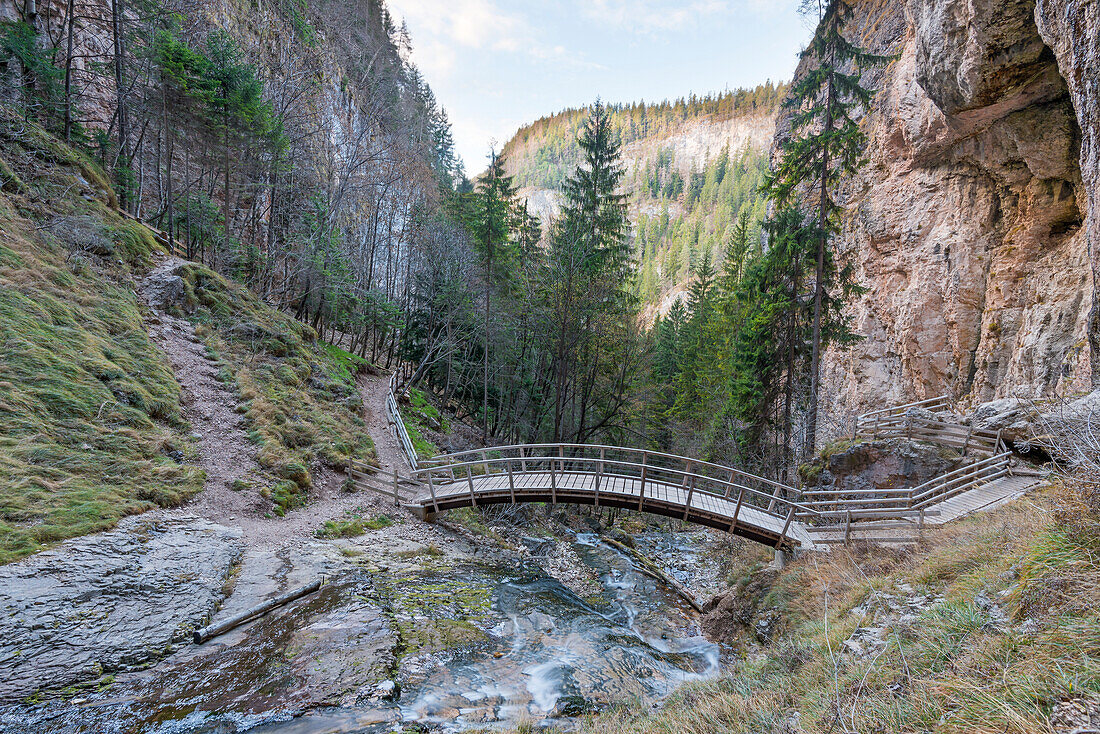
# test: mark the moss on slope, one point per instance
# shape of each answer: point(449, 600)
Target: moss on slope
point(90, 422)
point(297, 394)
point(90, 426)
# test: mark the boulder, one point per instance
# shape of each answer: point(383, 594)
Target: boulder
point(82, 233)
point(885, 464)
point(1015, 418)
point(165, 290)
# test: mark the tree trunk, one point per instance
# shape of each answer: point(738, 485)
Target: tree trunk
point(120, 95)
point(69, 74)
point(168, 183)
point(819, 287)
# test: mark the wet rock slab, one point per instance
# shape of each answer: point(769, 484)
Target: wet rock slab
point(109, 601)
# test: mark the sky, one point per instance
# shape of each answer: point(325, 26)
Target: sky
point(495, 65)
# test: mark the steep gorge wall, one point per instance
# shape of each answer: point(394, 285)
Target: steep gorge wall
point(973, 224)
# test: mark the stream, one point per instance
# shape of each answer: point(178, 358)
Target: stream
point(555, 654)
point(526, 649)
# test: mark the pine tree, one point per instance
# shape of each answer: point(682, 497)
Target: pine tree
point(491, 219)
point(825, 147)
point(590, 268)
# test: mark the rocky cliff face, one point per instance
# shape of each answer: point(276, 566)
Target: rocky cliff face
point(974, 222)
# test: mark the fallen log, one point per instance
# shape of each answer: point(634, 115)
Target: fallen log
point(649, 569)
point(213, 630)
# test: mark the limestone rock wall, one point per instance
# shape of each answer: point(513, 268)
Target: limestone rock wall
point(970, 225)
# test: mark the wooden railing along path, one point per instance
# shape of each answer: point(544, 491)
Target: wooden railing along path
point(397, 425)
point(893, 515)
point(685, 488)
point(907, 421)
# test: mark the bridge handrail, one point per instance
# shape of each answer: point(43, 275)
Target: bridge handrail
point(487, 461)
point(969, 474)
point(445, 459)
point(399, 424)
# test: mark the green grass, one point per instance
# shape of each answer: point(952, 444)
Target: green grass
point(343, 365)
point(89, 408)
point(352, 527)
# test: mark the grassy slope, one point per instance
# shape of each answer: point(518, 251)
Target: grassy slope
point(90, 422)
point(297, 394)
point(957, 667)
point(89, 410)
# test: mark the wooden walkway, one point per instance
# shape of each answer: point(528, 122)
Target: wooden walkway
point(986, 497)
point(611, 476)
point(611, 490)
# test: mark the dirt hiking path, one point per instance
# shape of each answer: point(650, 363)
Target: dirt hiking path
point(225, 452)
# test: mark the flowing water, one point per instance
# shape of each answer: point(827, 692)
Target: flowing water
point(557, 655)
point(548, 654)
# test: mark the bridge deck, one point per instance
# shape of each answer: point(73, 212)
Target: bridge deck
point(613, 491)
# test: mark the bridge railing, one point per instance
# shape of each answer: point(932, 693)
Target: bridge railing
point(704, 481)
point(906, 421)
point(402, 433)
point(965, 477)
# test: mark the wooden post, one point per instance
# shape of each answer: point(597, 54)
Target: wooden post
point(561, 459)
point(431, 488)
point(920, 526)
point(553, 484)
point(641, 491)
point(786, 526)
point(737, 509)
point(599, 475)
point(691, 491)
point(848, 527)
point(522, 460)
point(470, 481)
point(396, 499)
point(511, 482)
point(485, 463)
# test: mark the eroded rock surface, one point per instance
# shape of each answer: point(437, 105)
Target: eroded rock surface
point(110, 601)
point(971, 224)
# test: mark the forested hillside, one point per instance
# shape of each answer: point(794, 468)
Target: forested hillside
point(288, 145)
point(693, 166)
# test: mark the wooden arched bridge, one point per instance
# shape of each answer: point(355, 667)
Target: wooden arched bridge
point(602, 476)
point(701, 492)
point(610, 476)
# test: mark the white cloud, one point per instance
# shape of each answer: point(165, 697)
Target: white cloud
point(650, 16)
point(467, 23)
point(443, 29)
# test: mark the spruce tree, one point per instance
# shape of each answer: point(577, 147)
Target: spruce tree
point(825, 147)
point(588, 283)
point(490, 222)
